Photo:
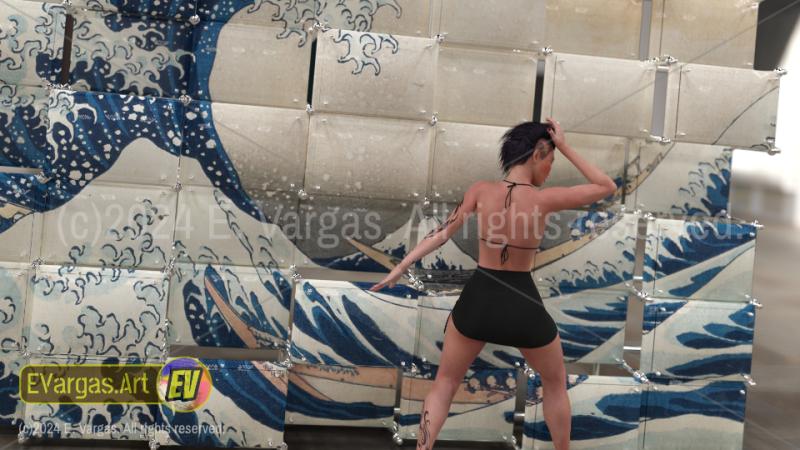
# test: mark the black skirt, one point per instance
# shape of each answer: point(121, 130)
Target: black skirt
point(503, 307)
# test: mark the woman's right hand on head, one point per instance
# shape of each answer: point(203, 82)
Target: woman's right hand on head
point(556, 133)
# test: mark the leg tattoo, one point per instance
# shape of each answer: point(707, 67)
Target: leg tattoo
point(424, 434)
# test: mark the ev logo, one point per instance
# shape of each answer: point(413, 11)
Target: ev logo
point(184, 384)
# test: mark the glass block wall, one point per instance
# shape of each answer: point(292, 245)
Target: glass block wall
point(237, 174)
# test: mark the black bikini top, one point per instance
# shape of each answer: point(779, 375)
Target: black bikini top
point(504, 252)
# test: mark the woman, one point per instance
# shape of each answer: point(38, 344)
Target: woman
point(500, 303)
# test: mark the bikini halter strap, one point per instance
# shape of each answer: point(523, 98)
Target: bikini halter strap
point(511, 186)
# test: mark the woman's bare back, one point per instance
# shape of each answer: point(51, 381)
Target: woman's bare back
point(511, 220)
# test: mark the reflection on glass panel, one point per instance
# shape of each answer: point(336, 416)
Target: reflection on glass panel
point(348, 233)
point(97, 311)
point(87, 421)
point(250, 394)
point(696, 414)
point(516, 24)
point(576, 93)
point(699, 260)
point(481, 410)
point(375, 74)
point(294, 18)
point(32, 42)
point(229, 306)
point(158, 66)
point(343, 323)
point(697, 339)
point(19, 234)
point(263, 148)
point(368, 157)
point(744, 120)
point(341, 396)
point(210, 228)
point(679, 178)
point(434, 310)
point(453, 261)
point(605, 152)
point(485, 87)
point(577, 26)
point(250, 64)
point(112, 225)
point(408, 18)
point(463, 154)
point(717, 32)
point(605, 413)
point(584, 250)
point(591, 324)
point(14, 288)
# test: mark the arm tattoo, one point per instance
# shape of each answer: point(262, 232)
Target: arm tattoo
point(450, 219)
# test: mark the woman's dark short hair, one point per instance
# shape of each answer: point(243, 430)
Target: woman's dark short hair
point(519, 141)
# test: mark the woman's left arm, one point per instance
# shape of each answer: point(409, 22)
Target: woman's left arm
point(436, 237)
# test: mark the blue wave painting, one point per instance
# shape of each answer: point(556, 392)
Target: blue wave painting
point(482, 408)
point(704, 260)
point(337, 322)
point(229, 306)
point(339, 395)
point(11, 406)
point(599, 253)
point(175, 9)
point(31, 43)
point(605, 413)
point(683, 179)
point(699, 414)
point(99, 312)
point(698, 339)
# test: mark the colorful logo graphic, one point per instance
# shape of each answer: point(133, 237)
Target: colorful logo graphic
point(184, 384)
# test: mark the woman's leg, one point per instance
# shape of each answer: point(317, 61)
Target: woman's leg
point(458, 352)
point(548, 361)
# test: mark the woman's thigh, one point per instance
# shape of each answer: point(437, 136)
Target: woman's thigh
point(458, 353)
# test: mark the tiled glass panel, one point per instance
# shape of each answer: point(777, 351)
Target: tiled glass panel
point(250, 64)
point(679, 178)
point(717, 32)
point(407, 18)
point(576, 94)
point(321, 394)
point(211, 228)
point(578, 26)
point(463, 93)
point(368, 157)
point(605, 413)
point(375, 74)
point(97, 312)
point(743, 120)
point(343, 323)
point(516, 24)
point(699, 260)
point(31, 42)
point(348, 233)
point(109, 54)
point(697, 339)
point(481, 410)
point(698, 414)
point(229, 306)
point(14, 279)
